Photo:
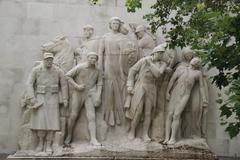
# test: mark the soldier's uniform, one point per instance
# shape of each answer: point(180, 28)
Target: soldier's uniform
point(145, 90)
point(45, 85)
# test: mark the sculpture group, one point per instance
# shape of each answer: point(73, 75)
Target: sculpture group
point(139, 86)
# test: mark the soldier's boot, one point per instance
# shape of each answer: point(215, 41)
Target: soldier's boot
point(131, 134)
point(40, 145)
point(41, 135)
point(49, 149)
point(49, 141)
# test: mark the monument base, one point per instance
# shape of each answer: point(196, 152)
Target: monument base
point(128, 150)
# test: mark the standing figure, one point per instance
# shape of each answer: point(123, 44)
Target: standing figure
point(44, 84)
point(111, 53)
point(87, 82)
point(144, 90)
point(184, 80)
point(88, 43)
point(194, 116)
point(145, 42)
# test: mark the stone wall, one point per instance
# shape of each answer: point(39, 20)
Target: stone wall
point(26, 24)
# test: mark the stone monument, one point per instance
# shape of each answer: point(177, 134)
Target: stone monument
point(132, 91)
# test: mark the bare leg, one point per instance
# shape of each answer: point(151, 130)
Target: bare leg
point(41, 135)
point(147, 119)
point(135, 121)
point(91, 122)
point(63, 129)
point(168, 127)
point(176, 119)
point(76, 106)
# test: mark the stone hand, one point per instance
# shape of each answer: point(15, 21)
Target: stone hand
point(205, 103)
point(149, 62)
point(80, 87)
point(65, 103)
point(33, 101)
point(169, 70)
point(130, 90)
point(97, 103)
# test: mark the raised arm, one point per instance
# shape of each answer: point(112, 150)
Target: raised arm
point(158, 69)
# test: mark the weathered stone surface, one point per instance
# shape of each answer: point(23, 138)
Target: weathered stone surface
point(26, 24)
point(180, 153)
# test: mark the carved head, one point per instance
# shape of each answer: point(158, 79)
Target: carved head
point(158, 52)
point(123, 29)
point(92, 58)
point(55, 45)
point(196, 62)
point(48, 59)
point(88, 31)
point(115, 24)
point(187, 54)
point(140, 31)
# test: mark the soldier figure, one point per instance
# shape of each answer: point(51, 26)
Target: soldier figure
point(45, 83)
point(87, 82)
point(145, 42)
point(89, 43)
point(144, 90)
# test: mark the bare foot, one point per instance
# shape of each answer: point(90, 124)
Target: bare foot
point(165, 141)
point(131, 136)
point(68, 140)
point(146, 139)
point(49, 149)
point(95, 142)
point(39, 147)
point(171, 142)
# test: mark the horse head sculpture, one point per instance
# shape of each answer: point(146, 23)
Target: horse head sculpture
point(62, 50)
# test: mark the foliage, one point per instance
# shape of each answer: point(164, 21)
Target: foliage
point(93, 2)
point(211, 27)
point(132, 5)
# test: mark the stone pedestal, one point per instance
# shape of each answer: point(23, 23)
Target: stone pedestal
point(128, 150)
